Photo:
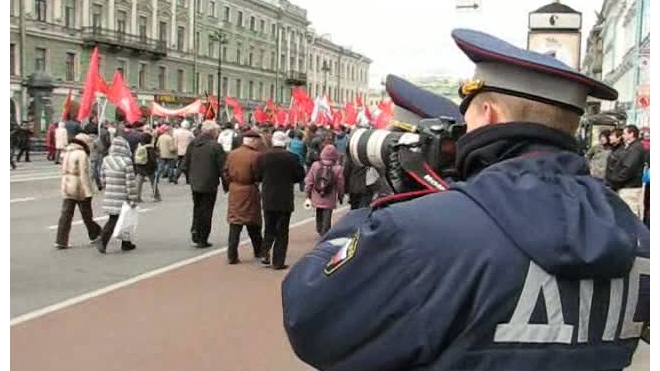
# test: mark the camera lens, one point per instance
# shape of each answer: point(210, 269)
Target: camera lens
point(369, 147)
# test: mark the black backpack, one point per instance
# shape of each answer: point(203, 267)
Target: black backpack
point(324, 180)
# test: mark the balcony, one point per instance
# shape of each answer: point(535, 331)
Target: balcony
point(295, 78)
point(117, 41)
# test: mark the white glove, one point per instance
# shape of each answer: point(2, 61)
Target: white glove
point(308, 204)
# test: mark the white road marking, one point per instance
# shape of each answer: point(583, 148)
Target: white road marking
point(97, 219)
point(30, 179)
point(90, 295)
point(22, 199)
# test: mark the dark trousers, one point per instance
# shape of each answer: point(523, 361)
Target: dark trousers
point(26, 150)
point(107, 231)
point(254, 231)
point(179, 166)
point(323, 221)
point(66, 216)
point(276, 230)
point(360, 200)
point(203, 204)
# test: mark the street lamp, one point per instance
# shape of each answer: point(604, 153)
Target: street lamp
point(222, 39)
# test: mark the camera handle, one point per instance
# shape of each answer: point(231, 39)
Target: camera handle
point(414, 164)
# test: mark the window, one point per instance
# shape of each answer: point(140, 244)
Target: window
point(198, 6)
point(211, 47)
point(162, 31)
point(70, 14)
point(224, 52)
point(179, 80)
point(262, 53)
point(292, 64)
point(212, 9)
point(239, 19)
point(162, 73)
point(318, 63)
point(142, 75)
point(262, 26)
point(12, 59)
point(282, 62)
point(121, 21)
point(251, 56)
point(311, 62)
point(142, 28)
point(40, 59)
point(70, 64)
point(225, 86)
point(227, 14)
point(272, 91)
point(40, 10)
point(272, 61)
point(272, 29)
point(238, 89)
point(180, 38)
point(250, 90)
point(253, 24)
point(209, 84)
point(97, 16)
point(261, 91)
point(301, 65)
point(197, 83)
point(239, 46)
point(122, 68)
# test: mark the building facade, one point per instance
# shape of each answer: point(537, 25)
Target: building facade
point(169, 50)
point(625, 34)
point(337, 71)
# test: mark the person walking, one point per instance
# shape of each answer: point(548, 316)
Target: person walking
point(61, 141)
point(598, 155)
point(324, 185)
point(277, 170)
point(204, 163)
point(625, 173)
point(297, 147)
point(118, 180)
point(76, 188)
point(166, 154)
point(244, 204)
point(145, 160)
point(50, 141)
point(182, 138)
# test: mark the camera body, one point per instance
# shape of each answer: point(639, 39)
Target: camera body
point(410, 156)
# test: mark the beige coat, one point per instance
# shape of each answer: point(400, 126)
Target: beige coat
point(182, 139)
point(61, 137)
point(76, 180)
point(244, 204)
point(165, 146)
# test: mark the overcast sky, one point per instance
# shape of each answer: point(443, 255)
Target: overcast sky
point(412, 37)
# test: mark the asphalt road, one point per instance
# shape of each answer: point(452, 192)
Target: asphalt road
point(42, 275)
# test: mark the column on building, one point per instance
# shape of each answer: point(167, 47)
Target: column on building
point(84, 11)
point(191, 26)
point(111, 15)
point(154, 19)
point(287, 59)
point(134, 17)
point(173, 25)
point(57, 10)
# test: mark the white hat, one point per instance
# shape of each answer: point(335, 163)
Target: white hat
point(279, 139)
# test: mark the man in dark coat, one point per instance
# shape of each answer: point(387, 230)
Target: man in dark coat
point(527, 263)
point(277, 170)
point(625, 168)
point(203, 163)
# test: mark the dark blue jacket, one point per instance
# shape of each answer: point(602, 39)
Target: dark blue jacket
point(511, 270)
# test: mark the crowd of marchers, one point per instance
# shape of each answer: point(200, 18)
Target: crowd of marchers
point(259, 168)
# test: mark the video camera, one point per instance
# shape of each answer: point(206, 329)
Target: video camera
point(412, 157)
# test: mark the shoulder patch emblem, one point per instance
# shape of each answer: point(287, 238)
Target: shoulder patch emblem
point(343, 255)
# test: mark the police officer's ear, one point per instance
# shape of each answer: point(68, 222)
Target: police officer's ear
point(484, 109)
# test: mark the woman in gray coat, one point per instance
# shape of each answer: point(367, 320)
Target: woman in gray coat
point(118, 180)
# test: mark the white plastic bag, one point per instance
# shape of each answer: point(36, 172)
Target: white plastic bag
point(126, 227)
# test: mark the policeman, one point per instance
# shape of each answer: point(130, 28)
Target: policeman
point(527, 264)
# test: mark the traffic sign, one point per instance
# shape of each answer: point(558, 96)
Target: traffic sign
point(468, 5)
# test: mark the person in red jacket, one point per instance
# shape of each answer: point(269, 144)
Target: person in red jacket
point(50, 142)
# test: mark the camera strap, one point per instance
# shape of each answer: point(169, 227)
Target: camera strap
point(415, 165)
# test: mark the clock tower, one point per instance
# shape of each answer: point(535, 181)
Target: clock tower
point(556, 29)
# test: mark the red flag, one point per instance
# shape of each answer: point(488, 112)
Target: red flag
point(337, 118)
point(351, 114)
point(293, 115)
point(91, 86)
point(237, 108)
point(120, 95)
point(209, 111)
point(358, 101)
point(385, 115)
point(260, 116)
point(367, 112)
point(281, 117)
point(67, 104)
